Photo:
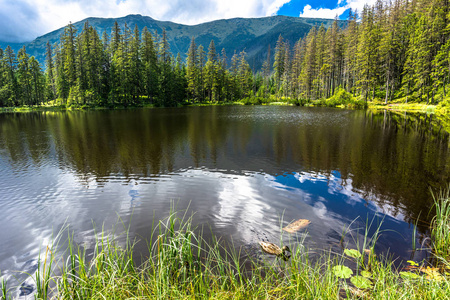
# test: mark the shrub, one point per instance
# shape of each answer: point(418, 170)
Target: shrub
point(342, 97)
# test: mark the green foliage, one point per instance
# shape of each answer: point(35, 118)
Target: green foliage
point(409, 275)
point(342, 271)
point(352, 253)
point(298, 102)
point(341, 98)
point(443, 108)
point(366, 274)
point(361, 282)
point(254, 100)
point(397, 51)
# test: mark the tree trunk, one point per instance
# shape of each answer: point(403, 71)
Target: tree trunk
point(387, 91)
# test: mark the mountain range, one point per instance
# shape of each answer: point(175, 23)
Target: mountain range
point(253, 35)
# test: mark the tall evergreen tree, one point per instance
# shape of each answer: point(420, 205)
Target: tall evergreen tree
point(192, 71)
point(165, 62)
point(24, 78)
point(211, 72)
point(150, 65)
point(50, 78)
point(10, 88)
point(278, 64)
point(201, 72)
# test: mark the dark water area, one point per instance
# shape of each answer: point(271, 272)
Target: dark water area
point(245, 172)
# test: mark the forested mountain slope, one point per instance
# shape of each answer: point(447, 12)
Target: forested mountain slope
point(252, 35)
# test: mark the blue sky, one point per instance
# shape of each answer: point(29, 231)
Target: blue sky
point(24, 20)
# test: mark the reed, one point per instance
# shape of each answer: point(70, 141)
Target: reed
point(4, 291)
point(440, 225)
point(181, 264)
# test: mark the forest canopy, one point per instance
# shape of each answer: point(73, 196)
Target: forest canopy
point(396, 50)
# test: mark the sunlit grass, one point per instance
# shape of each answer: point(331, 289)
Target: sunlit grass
point(403, 107)
point(440, 229)
point(181, 264)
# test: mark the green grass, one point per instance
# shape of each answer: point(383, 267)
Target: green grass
point(402, 107)
point(181, 264)
point(440, 229)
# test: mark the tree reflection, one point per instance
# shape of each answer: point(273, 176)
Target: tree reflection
point(393, 159)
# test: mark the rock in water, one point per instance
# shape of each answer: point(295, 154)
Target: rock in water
point(297, 225)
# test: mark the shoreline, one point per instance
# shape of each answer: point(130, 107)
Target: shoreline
point(408, 107)
point(182, 265)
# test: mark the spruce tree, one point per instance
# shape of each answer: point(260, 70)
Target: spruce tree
point(192, 71)
point(211, 72)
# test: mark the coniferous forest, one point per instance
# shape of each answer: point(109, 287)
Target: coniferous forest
point(395, 50)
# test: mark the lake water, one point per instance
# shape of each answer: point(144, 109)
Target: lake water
point(245, 172)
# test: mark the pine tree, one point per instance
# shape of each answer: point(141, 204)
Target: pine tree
point(165, 81)
point(38, 81)
point(278, 64)
point(321, 85)
point(135, 65)
point(367, 52)
point(150, 65)
point(286, 78)
point(192, 71)
point(234, 78)
point(68, 54)
point(439, 17)
point(335, 55)
point(10, 90)
point(309, 68)
point(98, 69)
point(50, 78)
point(3, 81)
point(201, 73)
point(116, 38)
point(223, 85)
point(350, 53)
point(211, 72)
point(24, 78)
point(62, 85)
point(266, 69)
point(244, 76)
point(180, 83)
point(299, 49)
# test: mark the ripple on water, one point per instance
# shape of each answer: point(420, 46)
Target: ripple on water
point(246, 172)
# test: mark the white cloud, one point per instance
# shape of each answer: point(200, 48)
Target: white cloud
point(276, 5)
point(327, 13)
point(324, 13)
point(359, 4)
point(26, 19)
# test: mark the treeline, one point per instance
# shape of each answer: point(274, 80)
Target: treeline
point(125, 68)
point(392, 50)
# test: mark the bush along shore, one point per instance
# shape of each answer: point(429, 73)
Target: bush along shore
point(183, 265)
point(340, 99)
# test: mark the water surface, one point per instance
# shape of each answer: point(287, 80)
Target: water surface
point(244, 171)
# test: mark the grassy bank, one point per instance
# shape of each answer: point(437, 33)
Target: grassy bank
point(340, 99)
point(24, 109)
point(182, 265)
point(404, 107)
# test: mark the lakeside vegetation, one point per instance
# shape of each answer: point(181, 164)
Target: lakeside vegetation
point(182, 265)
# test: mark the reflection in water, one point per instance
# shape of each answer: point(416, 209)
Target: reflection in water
point(245, 171)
